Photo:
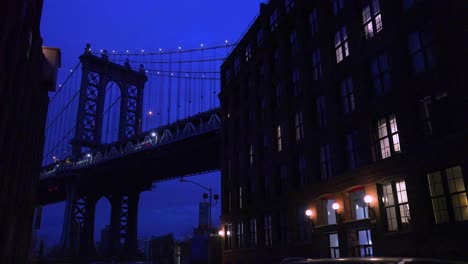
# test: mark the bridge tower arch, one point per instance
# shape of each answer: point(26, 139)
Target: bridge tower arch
point(97, 74)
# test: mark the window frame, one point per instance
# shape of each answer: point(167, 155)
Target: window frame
point(273, 20)
point(279, 137)
point(372, 19)
point(347, 95)
point(299, 126)
point(380, 142)
point(342, 50)
point(268, 231)
point(380, 73)
point(316, 65)
point(313, 22)
point(397, 206)
point(325, 163)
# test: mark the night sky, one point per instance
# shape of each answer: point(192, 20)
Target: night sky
point(172, 207)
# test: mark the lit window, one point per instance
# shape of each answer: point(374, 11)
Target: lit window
point(337, 6)
point(240, 197)
point(372, 19)
point(274, 20)
point(251, 155)
point(329, 215)
point(352, 150)
point(448, 191)
point(279, 140)
point(237, 65)
point(289, 5)
point(268, 236)
point(364, 247)
point(334, 245)
point(248, 52)
point(253, 232)
point(325, 162)
point(260, 37)
point(295, 82)
point(420, 48)
point(347, 95)
point(388, 141)
point(358, 207)
point(316, 65)
point(313, 22)
point(293, 42)
point(394, 202)
point(321, 112)
point(298, 122)
point(380, 74)
point(341, 44)
point(240, 235)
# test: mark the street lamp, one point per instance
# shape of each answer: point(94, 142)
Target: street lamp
point(335, 207)
point(216, 197)
point(221, 233)
point(368, 200)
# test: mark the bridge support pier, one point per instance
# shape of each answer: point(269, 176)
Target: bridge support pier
point(77, 239)
point(123, 226)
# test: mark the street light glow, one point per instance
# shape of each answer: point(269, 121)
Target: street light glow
point(153, 134)
point(221, 233)
point(228, 233)
point(368, 199)
point(88, 155)
point(335, 206)
point(308, 213)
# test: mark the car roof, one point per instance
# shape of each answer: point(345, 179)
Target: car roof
point(383, 260)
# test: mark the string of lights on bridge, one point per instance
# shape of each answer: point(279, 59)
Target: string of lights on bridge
point(181, 83)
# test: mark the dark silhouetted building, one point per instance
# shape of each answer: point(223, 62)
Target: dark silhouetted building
point(327, 102)
point(163, 250)
point(24, 84)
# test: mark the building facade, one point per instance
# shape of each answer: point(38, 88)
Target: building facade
point(327, 102)
point(23, 107)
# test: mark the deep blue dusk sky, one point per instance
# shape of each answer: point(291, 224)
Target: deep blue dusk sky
point(149, 25)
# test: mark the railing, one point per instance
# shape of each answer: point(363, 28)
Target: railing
point(152, 140)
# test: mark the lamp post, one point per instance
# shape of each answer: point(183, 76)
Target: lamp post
point(335, 207)
point(368, 200)
point(210, 197)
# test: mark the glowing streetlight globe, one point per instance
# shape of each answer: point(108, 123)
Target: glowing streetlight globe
point(368, 199)
point(221, 233)
point(308, 213)
point(335, 206)
point(228, 233)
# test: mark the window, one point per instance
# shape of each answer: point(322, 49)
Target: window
point(240, 235)
point(229, 235)
point(248, 52)
point(337, 6)
point(289, 5)
point(274, 20)
point(279, 140)
point(298, 122)
point(371, 18)
point(321, 112)
point(293, 42)
point(304, 225)
point(313, 22)
point(448, 193)
point(253, 232)
point(341, 44)
point(329, 215)
point(268, 237)
point(237, 65)
point(252, 155)
point(358, 207)
point(420, 49)
point(380, 74)
point(425, 113)
point(260, 37)
point(278, 93)
point(295, 82)
point(352, 154)
point(325, 162)
point(388, 141)
point(316, 65)
point(334, 245)
point(240, 197)
point(347, 95)
point(302, 170)
point(394, 202)
point(364, 247)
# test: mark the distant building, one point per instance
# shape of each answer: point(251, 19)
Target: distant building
point(163, 250)
point(24, 86)
point(144, 246)
point(103, 246)
point(327, 102)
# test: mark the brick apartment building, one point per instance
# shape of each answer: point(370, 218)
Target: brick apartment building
point(326, 102)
